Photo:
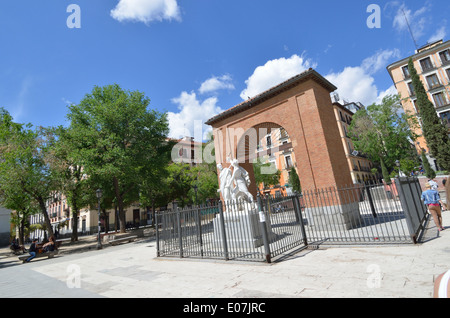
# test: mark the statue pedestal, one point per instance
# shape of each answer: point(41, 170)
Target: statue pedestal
point(243, 229)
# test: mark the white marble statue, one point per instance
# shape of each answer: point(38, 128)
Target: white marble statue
point(241, 180)
point(225, 188)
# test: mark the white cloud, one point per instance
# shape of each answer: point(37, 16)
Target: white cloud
point(390, 91)
point(20, 105)
point(416, 20)
point(146, 10)
point(356, 84)
point(192, 116)
point(440, 34)
point(379, 60)
point(216, 83)
point(273, 73)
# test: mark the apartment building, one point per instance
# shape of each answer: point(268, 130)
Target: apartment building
point(274, 148)
point(5, 226)
point(360, 167)
point(432, 63)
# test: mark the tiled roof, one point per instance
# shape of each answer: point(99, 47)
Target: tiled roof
point(309, 74)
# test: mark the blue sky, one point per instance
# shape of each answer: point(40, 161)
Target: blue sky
point(195, 58)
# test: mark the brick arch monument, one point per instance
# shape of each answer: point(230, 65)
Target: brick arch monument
point(302, 106)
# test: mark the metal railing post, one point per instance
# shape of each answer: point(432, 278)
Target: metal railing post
point(298, 210)
point(180, 238)
point(199, 224)
point(262, 220)
point(158, 254)
point(223, 232)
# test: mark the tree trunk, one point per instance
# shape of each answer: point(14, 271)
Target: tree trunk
point(74, 236)
point(120, 206)
point(153, 213)
point(46, 218)
point(21, 231)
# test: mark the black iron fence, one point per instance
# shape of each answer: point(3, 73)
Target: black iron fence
point(271, 226)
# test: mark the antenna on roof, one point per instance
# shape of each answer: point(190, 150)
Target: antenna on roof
point(410, 31)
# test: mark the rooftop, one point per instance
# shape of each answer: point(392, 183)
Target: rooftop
point(276, 90)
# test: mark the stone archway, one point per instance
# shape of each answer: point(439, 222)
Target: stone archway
point(302, 105)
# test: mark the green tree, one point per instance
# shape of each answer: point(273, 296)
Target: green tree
point(266, 173)
point(22, 164)
point(64, 145)
point(206, 180)
point(180, 181)
point(294, 181)
point(434, 132)
point(22, 205)
point(124, 140)
point(382, 132)
point(429, 172)
point(385, 172)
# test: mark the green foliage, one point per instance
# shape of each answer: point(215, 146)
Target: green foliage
point(26, 180)
point(266, 173)
point(64, 146)
point(435, 133)
point(385, 172)
point(294, 181)
point(429, 172)
point(383, 132)
point(123, 142)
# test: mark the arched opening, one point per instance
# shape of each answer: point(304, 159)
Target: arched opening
point(267, 147)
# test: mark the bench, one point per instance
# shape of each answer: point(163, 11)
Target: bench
point(24, 257)
point(123, 239)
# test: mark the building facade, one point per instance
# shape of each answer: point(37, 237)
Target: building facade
point(5, 226)
point(270, 150)
point(432, 63)
point(360, 167)
point(303, 107)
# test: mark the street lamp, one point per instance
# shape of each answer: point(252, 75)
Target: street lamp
point(99, 196)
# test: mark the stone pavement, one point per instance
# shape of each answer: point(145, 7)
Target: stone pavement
point(133, 271)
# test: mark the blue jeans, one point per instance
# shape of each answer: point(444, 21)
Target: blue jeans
point(33, 255)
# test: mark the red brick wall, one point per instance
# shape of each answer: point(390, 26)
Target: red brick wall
point(306, 112)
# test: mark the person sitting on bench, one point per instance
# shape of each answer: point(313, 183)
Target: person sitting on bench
point(49, 246)
point(32, 250)
point(15, 247)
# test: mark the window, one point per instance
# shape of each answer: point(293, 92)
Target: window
point(445, 118)
point(283, 133)
point(288, 162)
point(411, 89)
point(448, 73)
point(350, 149)
point(433, 81)
point(445, 56)
point(405, 70)
point(269, 141)
point(439, 99)
point(345, 130)
point(426, 64)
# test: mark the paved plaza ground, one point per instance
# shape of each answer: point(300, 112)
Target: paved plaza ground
point(133, 271)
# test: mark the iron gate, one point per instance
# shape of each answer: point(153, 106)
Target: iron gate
point(359, 214)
